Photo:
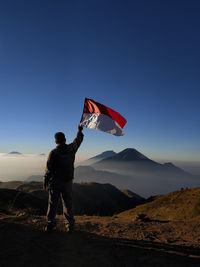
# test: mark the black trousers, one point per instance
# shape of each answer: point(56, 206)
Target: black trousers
point(54, 195)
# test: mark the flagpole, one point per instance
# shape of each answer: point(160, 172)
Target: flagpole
point(82, 112)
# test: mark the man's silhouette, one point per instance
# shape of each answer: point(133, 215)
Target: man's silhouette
point(58, 178)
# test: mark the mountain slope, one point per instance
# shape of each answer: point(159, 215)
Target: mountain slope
point(35, 178)
point(89, 174)
point(11, 184)
point(89, 198)
point(137, 198)
point(14, 201)
point(103, 155)
point(128, 154)
point(148, 177)
point(132, 160)
point(98, 241)
point(178, 205)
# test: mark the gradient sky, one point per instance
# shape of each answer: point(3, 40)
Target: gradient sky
point(141, 58)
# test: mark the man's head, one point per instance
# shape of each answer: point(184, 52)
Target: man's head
point(60, 138)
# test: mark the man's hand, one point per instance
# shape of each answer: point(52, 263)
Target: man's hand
point(80, 128)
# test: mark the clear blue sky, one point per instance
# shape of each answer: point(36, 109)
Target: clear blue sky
point(141, 58)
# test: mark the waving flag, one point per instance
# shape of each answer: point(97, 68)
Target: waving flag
point(99, 117)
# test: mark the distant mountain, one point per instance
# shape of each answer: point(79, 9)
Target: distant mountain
point(14, 153)
point(148, 177)
point(42, 154)
point(103, 155)
point(126, 159)
point(131, 160)
point(128, 154)
point(170, 166)
point(89, 174)
point(134, 171)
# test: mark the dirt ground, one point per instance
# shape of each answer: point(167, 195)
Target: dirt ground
point(99, 241)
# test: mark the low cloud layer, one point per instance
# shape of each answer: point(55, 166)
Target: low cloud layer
point(20, 166)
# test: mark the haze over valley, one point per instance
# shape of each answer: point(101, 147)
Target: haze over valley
point(128, 169)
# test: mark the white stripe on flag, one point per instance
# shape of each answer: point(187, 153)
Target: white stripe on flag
point(101, 122)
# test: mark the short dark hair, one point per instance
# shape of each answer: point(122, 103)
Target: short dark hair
point(60, 137)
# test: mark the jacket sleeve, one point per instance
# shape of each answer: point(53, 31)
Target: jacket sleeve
point(50, 166)
point(77, 141)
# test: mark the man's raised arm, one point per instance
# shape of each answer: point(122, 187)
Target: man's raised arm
point(79, 138)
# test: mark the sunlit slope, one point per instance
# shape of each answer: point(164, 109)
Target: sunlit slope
point(177, 205)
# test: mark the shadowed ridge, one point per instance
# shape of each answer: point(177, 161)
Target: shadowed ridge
point(137, 198)
point(170, 166)
point(89, 198)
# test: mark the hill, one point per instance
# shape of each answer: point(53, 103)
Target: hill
point(30, 186)
point(138, 199)
point(36, 178)
point(11, 184)
point(14, 201)
point(178, 205)
point(89, 198)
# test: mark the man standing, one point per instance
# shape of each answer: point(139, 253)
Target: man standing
point(58, 178)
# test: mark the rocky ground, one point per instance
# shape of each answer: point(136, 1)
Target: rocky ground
point(99, 241)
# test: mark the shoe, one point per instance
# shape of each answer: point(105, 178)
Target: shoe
point(70, 227)
point(50, 228)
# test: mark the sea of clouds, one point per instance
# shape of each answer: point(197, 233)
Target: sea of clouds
point(21, 166)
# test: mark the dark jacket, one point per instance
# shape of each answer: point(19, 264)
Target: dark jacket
point(60, 163)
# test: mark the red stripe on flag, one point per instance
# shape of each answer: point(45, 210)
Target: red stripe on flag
point(91, 106)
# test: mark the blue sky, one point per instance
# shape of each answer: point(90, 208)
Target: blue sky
point(141, 58)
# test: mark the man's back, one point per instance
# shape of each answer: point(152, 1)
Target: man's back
point(64, 157)
point(60, 163)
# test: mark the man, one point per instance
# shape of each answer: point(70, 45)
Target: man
point(58, 178)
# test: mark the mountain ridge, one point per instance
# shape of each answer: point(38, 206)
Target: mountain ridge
point(177, 205)
point(98, 157)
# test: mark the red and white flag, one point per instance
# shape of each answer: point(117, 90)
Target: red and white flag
point(99, 117)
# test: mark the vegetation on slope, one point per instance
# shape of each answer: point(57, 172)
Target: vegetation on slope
point(11, 184)
point(89, 198)
point(177, 205)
